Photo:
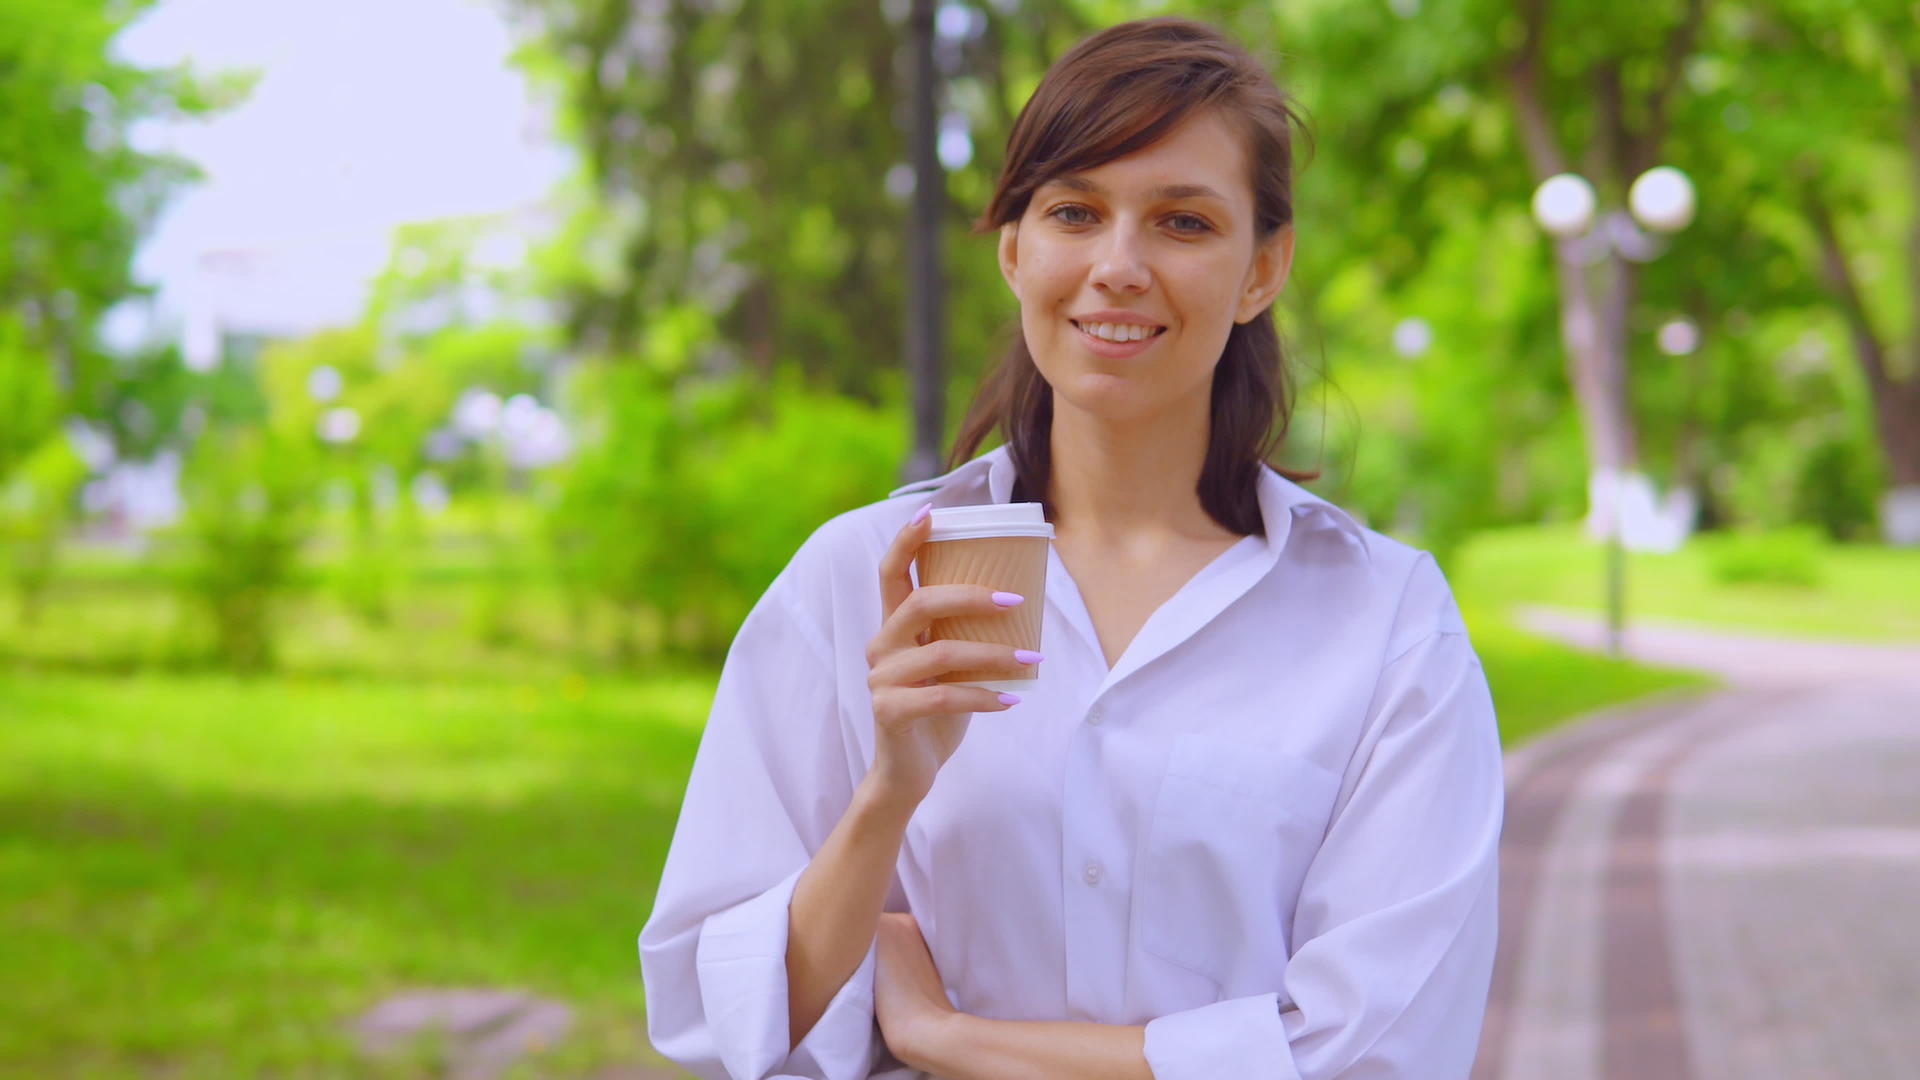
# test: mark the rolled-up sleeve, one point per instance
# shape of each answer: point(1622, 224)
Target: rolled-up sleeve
point(1237, 1037)
point(769, 782)
point(1396, 923)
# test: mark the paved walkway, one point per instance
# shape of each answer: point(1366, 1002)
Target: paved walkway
point(1717, 885)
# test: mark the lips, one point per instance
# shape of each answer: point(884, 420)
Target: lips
point(1152, 332)
point(1116, 350)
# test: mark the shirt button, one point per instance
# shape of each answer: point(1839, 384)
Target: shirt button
point(1095, 715)
point(1091, 874)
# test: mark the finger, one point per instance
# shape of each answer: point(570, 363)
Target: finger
point(920, 665)
point(897, 707)
point(895, 581)
point(929, 604)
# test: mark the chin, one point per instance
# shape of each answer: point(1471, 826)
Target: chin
point(1109, 395)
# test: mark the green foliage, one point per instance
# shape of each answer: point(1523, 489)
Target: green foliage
point(1839, 486)
point(738, 157)
point(1416, 204)
point(250, 495)
point(774, 483)
point(75, 195)
point(1783, 557)
point(39, 471)
point(35, 501)
point(1820, 474)
point(685, 503)
point(29, 395)
point(1413, 203)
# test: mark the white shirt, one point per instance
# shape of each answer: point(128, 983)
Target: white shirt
point(1269, 833)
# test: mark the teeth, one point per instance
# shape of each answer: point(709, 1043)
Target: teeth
point(1118, 331)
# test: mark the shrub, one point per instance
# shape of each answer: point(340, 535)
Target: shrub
point(1780, 557)
point(250, 494)
point(685, 498)
point(34, 505)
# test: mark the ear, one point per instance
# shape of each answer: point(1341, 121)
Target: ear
point(1010, 253)
point(1272, 261)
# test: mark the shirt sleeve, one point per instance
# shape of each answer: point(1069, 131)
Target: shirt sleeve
point(769, 782)
point(1396, 923)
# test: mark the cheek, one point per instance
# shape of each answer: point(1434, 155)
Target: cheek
point(1044, 275)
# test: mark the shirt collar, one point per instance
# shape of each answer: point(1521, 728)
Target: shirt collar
point(992, 473)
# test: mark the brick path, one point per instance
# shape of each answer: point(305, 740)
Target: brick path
point(1717, 885)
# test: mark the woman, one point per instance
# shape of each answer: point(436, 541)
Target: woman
point(1246, 826)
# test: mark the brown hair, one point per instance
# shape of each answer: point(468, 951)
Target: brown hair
point(1115, 93)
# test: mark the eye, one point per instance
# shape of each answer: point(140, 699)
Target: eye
point(1195, 221)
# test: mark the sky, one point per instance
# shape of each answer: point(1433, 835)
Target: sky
point(366, 114)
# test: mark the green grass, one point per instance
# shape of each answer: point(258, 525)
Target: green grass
point(217, 875)
point(1538, 685)
point(204, 877)
point(212, 877)
point(433, 632)
point(1865, 592)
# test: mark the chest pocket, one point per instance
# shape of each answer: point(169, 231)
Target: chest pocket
point(1233, 830)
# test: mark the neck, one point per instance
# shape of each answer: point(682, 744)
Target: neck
point(1130, 485)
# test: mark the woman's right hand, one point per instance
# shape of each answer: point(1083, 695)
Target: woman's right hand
point(917, 722)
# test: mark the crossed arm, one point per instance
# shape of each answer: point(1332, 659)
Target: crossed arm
point(924, 1030)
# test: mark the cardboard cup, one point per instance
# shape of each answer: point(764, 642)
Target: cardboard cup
point(1004, 547)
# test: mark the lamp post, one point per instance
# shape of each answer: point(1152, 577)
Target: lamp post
point(1661, 200)
point(924, 285)
point(941, 36)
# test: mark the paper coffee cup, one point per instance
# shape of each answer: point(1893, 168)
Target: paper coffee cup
point(1004, 547)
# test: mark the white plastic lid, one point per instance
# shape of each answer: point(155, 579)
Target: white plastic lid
point(993, 519)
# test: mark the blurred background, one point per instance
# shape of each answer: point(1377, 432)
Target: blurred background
point(401, 404)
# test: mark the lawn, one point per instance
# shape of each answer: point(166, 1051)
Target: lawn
point(209, 878)
point(1539, 684)
point(216, 875)
point(212, 877)
point(1864, 592)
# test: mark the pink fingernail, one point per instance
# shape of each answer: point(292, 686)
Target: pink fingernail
point(1009, 699)
point(921, 514)
point(1008, 599)
point(1027, 656)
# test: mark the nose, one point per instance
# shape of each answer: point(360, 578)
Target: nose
point(1118, 265)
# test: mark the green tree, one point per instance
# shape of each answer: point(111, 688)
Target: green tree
point(1416, 204)
point(75, 198)
point(1851, 165)
point(75, 194)
point(740, 159)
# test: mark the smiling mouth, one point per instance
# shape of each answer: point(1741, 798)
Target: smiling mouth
point(1152, 333)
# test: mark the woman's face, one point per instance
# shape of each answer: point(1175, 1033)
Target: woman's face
point(1164, 236)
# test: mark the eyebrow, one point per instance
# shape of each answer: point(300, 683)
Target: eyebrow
point(1164, 191)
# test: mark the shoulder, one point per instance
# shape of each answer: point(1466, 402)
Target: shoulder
point(859, 536)
point(1401, 582)
point(834, 574)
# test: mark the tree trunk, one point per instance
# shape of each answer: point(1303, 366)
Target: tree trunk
point(1896, 402)
point(1898, 413)
point(1589, 322)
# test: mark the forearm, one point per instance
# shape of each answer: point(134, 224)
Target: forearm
point(966, 1047)
point(836, 905)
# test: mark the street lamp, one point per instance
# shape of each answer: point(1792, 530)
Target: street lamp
point(1661, 200)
